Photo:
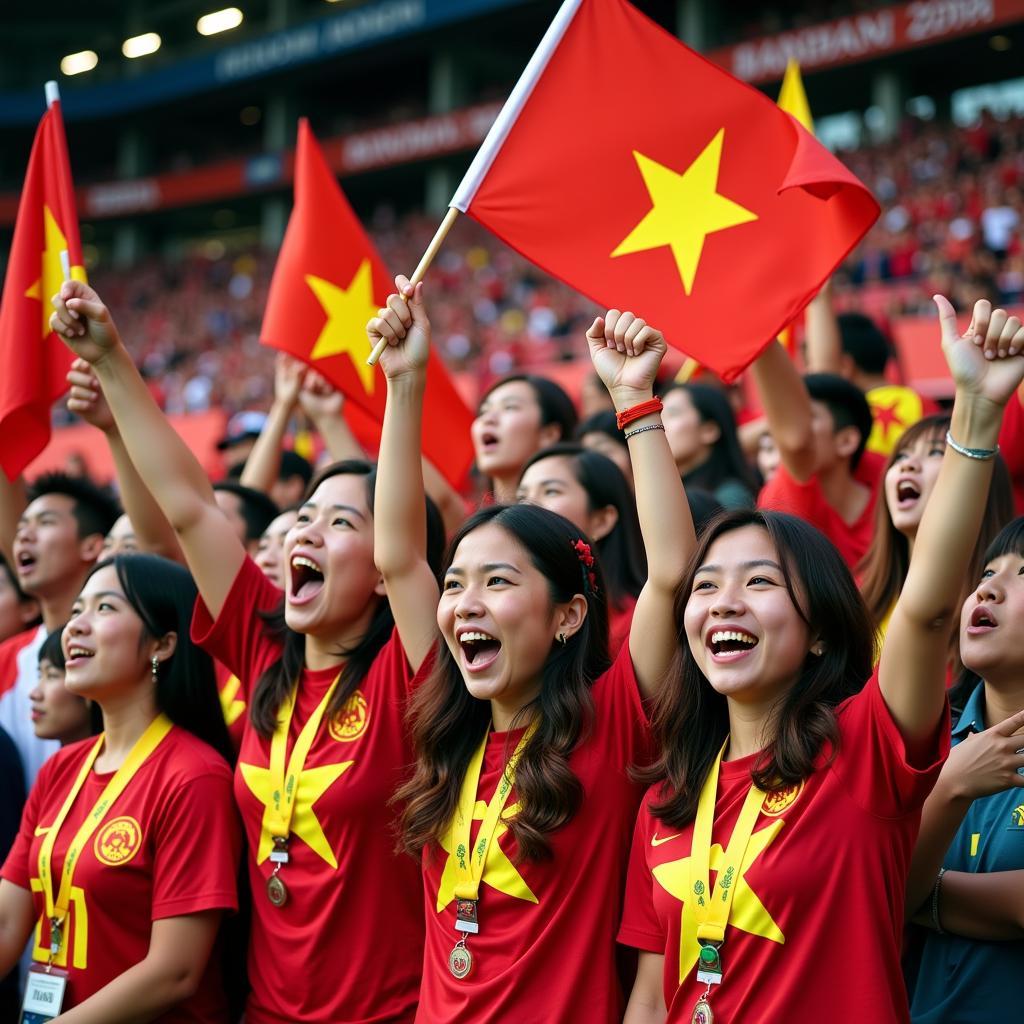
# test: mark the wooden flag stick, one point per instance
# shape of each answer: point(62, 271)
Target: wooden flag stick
point(687, 370)
point(420, 272)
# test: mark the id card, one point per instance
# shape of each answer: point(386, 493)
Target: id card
point(44, 994)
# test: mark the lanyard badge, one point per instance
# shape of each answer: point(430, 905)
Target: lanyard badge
point(470, 859)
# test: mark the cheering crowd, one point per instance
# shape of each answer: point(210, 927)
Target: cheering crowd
point(678, 721)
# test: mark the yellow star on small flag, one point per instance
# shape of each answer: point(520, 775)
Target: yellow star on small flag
point(748, 912)
point(348, 310)
point(499, 872)
point(686, 209)
point(312, 784)
point(52, 277)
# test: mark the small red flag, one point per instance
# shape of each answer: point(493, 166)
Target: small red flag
point(46, 249)
point(328, 282)
point(650, 179)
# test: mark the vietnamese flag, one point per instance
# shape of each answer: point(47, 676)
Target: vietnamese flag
point(650, 179)
point(328, 282)
point(46, 249)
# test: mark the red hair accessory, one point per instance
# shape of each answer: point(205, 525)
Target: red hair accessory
point(586, 557)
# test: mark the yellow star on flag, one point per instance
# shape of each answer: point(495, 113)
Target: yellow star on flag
point(748, 912)
point(499, 872)
point(312, 784)
point(53, 273)
point(686, 209)
point(348, 310)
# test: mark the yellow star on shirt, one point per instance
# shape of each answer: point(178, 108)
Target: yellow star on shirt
point(499, 872)
point(53, 273)
point(686, 209)
point(748, 912)
point(231, 707)
point(313, 783)
point(347, 311)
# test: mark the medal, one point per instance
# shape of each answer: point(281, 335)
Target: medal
point(460, 960)
point(702, 1013)
point(277, 893)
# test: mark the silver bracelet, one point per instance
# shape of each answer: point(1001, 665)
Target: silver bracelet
point(640, 430)
point(971, 453)
point(936, 923)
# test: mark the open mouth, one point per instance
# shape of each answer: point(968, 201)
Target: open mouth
point(982, 621)
point(907, 492)
point(728, 644)
point(25, 563)
point(488, 441)
point(77, 655)
point(479, 649)
point(307, 579)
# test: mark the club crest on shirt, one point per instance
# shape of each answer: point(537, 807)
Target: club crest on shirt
point(1017, 816)
point(118, 841)
point(350, 723)
point(778, 800)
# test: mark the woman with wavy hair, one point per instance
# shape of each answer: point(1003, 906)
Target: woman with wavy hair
point(908, 482)
point(771, 853)
point(520, 804)
point(589, 490)
point(129, 846)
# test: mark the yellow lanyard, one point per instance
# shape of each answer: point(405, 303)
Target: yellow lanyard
point(712, 907)
point(469, 866)
point(57, 908)
point(277, 824)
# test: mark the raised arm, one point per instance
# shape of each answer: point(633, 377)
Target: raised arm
point(824, 344)
point(164, 463)
point(152, 530)
point(787, 408)
point(264, 462)
point(626, 353)
point(400, 531)
point(911, 671)
point(13, 502)
point(323, 404)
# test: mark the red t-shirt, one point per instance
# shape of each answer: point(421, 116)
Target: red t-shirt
point(546, 948)
point(619, 621)
point(168, 846)
point(1011, 443)
point(807, 500)
point(817, 919)
point(232, 704)
point(347, 946)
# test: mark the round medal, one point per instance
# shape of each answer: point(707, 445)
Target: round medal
point(702, 1013)
point(460, 961)
point(277, 893)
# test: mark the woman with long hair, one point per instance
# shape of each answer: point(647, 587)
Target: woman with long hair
point(516, 417)
point(908, 481)
point(57, 713)
point(325, 681)
point(771, 852)
point(589, 490)
point(965, 883)
point(701, 431)
point(129, 844)
point(520, 805)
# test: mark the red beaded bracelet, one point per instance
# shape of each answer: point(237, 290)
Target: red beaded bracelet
point(637, 412)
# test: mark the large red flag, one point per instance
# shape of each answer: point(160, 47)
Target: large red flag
point(650, 179)
point(328, 282)
point(46, 249)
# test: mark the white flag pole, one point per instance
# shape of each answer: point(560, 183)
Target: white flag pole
point(53, 96)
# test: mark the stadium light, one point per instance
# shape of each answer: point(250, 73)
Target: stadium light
point(76, 63)
point(139, 46)
point(219, 21)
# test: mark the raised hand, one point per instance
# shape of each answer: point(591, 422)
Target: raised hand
point(626, 353)
point(288, 376)
point(405, 326)
point(83, 322)
point(85, 399)
point(986, 360)
point(319, 398)
point(987, 762)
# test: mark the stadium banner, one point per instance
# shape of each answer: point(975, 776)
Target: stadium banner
point(420, 139)
point(862, 37)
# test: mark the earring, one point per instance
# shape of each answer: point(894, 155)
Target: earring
point(155, 665)
point(818, 650)
point(562, 638)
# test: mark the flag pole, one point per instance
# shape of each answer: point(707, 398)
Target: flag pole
point(421, 270)
point(53, 96)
